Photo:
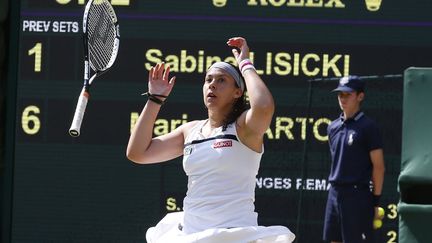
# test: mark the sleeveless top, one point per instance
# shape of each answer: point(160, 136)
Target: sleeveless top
point(221, 180)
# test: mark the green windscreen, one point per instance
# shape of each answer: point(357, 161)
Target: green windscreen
point(415, 180)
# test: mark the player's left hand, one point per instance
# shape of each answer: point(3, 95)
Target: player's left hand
point(240, 50)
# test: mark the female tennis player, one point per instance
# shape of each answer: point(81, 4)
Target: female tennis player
point(221, 154)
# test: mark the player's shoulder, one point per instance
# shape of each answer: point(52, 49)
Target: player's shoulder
point(189, 126)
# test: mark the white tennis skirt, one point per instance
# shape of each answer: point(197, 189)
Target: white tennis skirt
point(168, 230)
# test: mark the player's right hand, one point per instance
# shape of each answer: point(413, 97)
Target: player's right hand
point(159, 82)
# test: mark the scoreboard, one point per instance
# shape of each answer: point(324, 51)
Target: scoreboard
point(84, 189)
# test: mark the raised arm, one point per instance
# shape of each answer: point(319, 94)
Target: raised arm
point(142, 148)
point(255, 121)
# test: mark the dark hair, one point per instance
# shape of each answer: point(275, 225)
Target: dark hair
point(240, 105)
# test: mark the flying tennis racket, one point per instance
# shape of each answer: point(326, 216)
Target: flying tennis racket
point(101, 43)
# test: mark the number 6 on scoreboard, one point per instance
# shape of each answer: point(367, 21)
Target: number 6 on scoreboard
point(101, 43)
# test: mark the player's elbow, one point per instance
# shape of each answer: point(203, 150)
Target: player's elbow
point(134, 156)
point(130, 156)
point(139, 157)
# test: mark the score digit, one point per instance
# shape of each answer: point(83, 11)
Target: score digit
point(29, 121)
point(393, 211)
point(37, 51)
point(393, 236)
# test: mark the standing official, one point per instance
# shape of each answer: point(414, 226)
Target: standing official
point(357, 159)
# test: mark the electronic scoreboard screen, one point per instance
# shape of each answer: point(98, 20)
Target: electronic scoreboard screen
point(85, 190)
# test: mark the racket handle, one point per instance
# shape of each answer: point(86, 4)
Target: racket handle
point(74, 130)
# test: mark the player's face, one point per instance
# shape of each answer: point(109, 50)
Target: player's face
point(220, 89)
point(350, 101)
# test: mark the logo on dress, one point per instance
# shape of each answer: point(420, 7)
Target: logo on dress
point(221, 144)
point(351, 138)
point(188, 150)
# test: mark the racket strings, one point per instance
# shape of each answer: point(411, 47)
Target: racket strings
point(101, 35)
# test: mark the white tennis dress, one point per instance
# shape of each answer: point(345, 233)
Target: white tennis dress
point(219, 203)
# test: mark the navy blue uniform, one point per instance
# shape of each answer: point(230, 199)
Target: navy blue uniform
point(350, 209)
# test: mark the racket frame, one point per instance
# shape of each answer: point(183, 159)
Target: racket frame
point(81, 106)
